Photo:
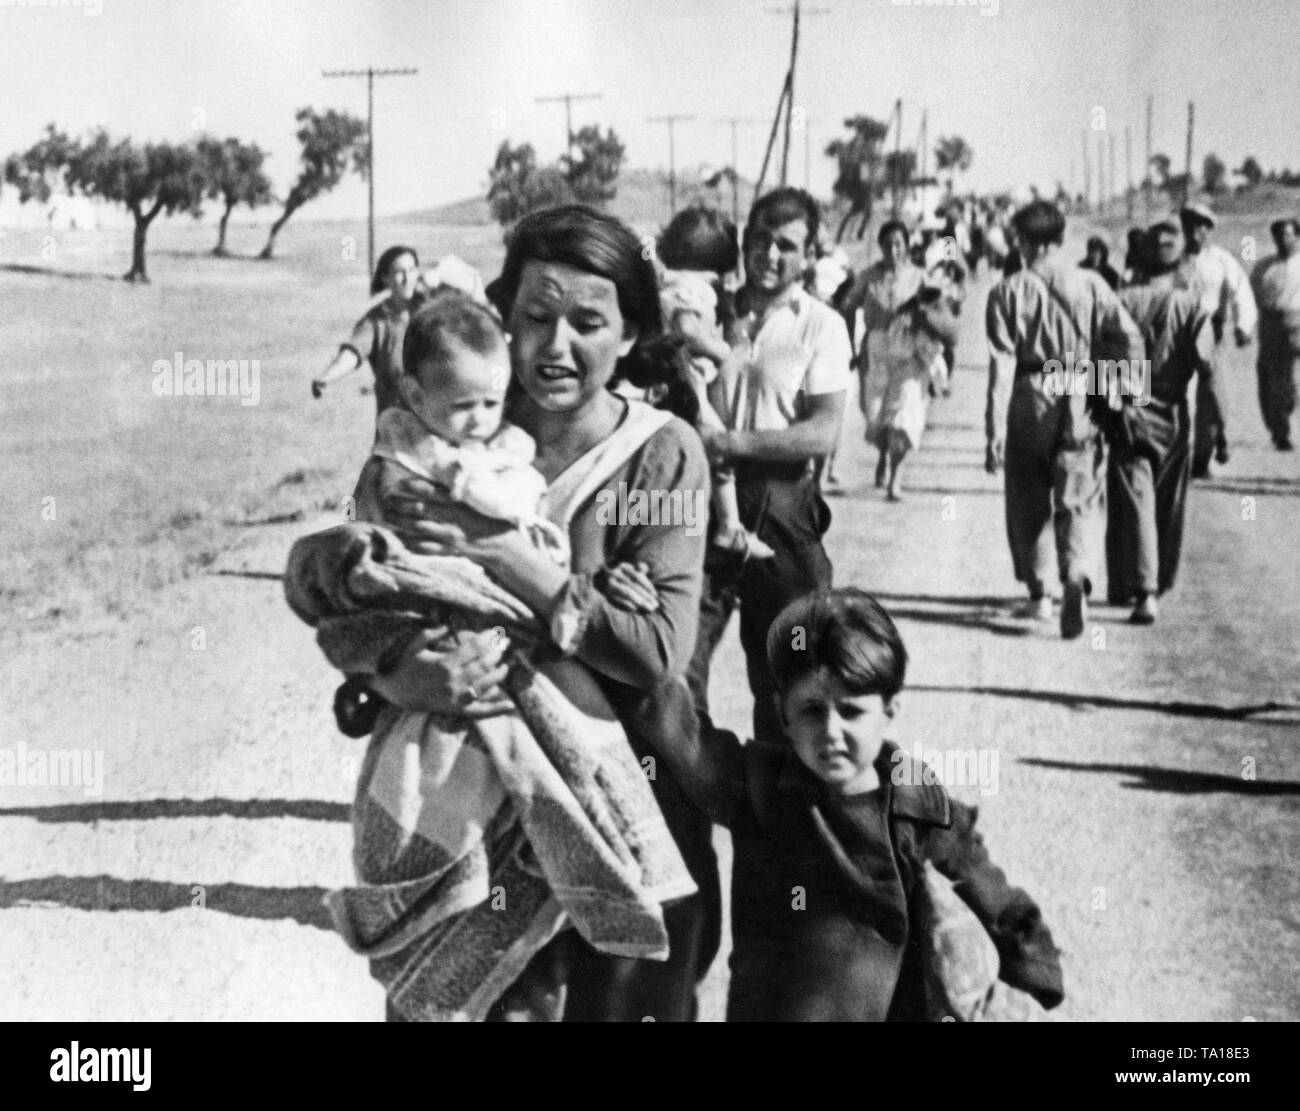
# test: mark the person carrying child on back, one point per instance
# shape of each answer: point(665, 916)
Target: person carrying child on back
point(697, 249)
point(833, 833)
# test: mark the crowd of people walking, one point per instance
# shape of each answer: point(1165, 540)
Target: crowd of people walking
point(527, 609)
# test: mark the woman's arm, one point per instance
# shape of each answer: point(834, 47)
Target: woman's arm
point(343, 364)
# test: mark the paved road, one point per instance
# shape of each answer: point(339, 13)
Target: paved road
point(1143, 784)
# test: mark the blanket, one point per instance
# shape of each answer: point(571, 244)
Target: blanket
point(477, 841)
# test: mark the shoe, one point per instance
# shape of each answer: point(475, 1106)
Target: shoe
point(1074, 611)
point(1038, 609)
point(1201, 470)
point(1221, 454)
point(1146, 611)
point(1284, 444)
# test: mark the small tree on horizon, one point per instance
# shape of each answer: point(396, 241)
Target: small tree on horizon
point(234, 174)
point(954, 155)
point(858, 157)
point(593, 174)
point(41, 170)
point(332, 142)
point(1251, 171)
point(1213, 173)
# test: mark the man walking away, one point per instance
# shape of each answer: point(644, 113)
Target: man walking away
point(1149, 463)
point(1048, 444)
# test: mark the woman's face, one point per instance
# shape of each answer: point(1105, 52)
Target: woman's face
point(566, 335)
point(403, 273)
point(895, 248)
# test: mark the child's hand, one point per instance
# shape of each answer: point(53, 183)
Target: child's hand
point(700, 339)
point(628, 586)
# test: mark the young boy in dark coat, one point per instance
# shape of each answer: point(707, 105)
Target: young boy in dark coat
point(831, 834)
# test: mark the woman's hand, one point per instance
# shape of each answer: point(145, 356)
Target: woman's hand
point(462, 676)
point(628, 586)
point(459, 530)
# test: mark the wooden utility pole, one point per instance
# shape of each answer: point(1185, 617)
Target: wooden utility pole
point(567, 100)
point(1087, 173)
point(736, 122)
point(671, 121)
point(898, 149)
point(1191, 120)
point(1146, 171)
point(1101, 174)
point(370, 73)
point(1110, 162)
point(1128, 165)
point(787, 94)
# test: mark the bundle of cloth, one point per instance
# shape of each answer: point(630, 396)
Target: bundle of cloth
point(476, 841)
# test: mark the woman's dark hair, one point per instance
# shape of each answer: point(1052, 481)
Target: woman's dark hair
point(586, 239)
point(447, 315)
point(699, 239)
point(845, 631)
point(1277, 226)
point(891, 227)
point(1096, 243)
point(662, 366)
point(385, 264)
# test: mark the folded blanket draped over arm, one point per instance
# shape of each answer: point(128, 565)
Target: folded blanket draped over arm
point(475, 841)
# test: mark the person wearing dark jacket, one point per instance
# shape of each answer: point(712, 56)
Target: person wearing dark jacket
point(832, 832)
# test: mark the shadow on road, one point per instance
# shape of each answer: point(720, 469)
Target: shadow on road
point(48, 272)
point(1267, 487)
point(1290, 713)
point(274, 575)
point(1003, 625)
point(301, 904)
point(1174, 779)
point(312, 810)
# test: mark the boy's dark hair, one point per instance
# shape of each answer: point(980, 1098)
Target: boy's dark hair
point(1277, 226)
point(663, 364)
point(845, 631)
point(1039, 223)
point(699, 238)
point(449, 314)
point(380, 277)
point(780, 206)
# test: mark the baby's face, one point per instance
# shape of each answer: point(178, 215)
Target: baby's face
point(835, 733)
point(461, 397)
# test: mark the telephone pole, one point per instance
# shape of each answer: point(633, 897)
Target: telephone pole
point(567, 100)
point(1191, 120)
point(898, 148)
point(1087, 174)
point(370, 73)
point(736, 122)
point(672, 156)
point(1146, 170)
point(1128, 184)
point(788, 91)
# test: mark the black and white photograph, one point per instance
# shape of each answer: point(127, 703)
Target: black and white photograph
point(651, 511)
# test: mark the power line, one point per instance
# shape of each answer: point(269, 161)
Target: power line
point(370, 73)
point(672, 156)
point(567, 99)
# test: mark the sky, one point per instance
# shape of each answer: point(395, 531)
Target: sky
point(1020, 80)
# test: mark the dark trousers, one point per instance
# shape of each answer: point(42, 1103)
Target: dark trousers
point(1146, 500)
point(1278, 369)
point(784, 507)
point(1211, 415)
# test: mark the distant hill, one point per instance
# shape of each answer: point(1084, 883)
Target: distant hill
point(642, 201)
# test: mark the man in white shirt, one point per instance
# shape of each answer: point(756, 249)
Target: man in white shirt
point(1220, 283)
point(1276, 282)
point(788, 378)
